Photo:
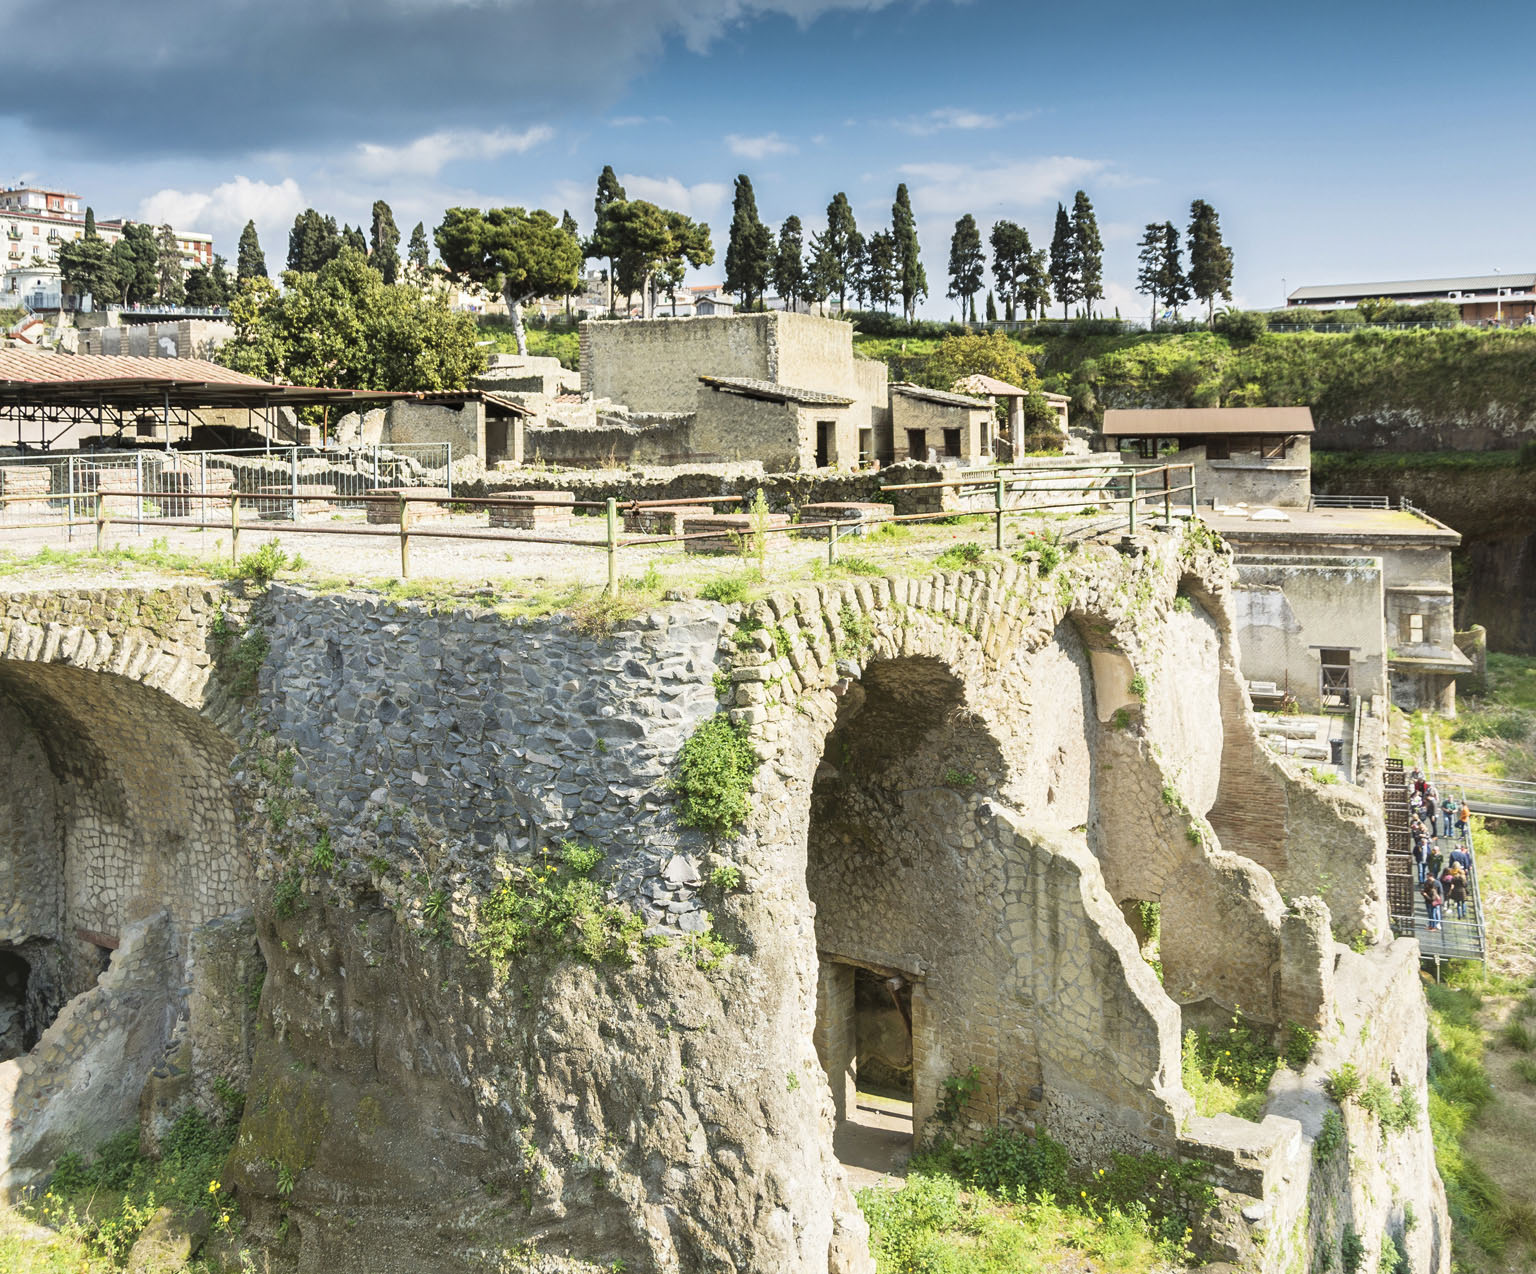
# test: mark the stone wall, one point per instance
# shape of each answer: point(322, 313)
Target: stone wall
point(657, 439)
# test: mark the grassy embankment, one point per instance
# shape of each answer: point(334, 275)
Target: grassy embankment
point(547, 342)
point(1341, 376)
point(1483, 1021)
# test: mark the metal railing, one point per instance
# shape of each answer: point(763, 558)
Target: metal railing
point(1351, 502)
point(1496, 798)
point(750, 534)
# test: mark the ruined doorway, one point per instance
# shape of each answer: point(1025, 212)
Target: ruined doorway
point(917, 444)
point(15, 1037)
point(824, 432)
point(902, 875)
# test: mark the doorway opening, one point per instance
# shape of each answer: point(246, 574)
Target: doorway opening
point(16, 1033)
point(824, 433)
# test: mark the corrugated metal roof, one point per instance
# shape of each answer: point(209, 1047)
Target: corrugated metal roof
point(1418, 287)
point(1190, 421)
point(775, 392)
point(909, 390)
point(24, 366)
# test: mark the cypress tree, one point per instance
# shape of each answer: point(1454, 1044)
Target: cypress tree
point(418, 253)
point(966, 264)
point(90, 223)
point(911, 278)
point(749, 254)
point(789, 264)
point(250, 261)
point(1210, 260)
point(839, 249)
point(1175, 282)
point(609, 191)
point(384, 248)
point(1087, 251)
point(1063, 269)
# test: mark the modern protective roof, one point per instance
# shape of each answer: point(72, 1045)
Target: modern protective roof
point(36, 379)
point(1190, 421)
point(981, 383)
point(774, 392)
point(909, 390)
point(1418, 287)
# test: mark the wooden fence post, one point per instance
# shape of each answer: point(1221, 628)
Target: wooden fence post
point(405, 538)
point(611, 518)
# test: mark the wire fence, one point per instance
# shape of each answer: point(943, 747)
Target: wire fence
point(169, 484)
point(1127, 499)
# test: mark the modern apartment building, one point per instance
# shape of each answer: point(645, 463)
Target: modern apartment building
point(35, 221)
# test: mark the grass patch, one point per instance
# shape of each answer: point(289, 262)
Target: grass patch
point(714, 778)
point(1228, 1071)
point(558, 906)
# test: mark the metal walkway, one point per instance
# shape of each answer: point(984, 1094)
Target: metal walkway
point(1456, 939)
point(1497, 798)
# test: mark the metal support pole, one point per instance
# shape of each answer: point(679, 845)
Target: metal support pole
point(202, 488)
point(449, 483)
point(138, 486)
point(1131, 504)
point(293, 480)
point(101, 521)
point(405, 538)
point(611, 515)
point(70, 516)
point(832, 532)
point(998, 538)
point(234, 525)
point(165, 419)
point(375, 485)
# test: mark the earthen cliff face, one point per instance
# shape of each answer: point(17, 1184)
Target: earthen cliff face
point(967, 780)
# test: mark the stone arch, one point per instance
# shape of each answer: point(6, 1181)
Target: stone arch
point(118, 846)
point(1037, 982)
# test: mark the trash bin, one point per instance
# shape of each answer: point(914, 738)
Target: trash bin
point(1336, 751)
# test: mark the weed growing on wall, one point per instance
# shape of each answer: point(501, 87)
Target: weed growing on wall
point(1228, 1071)
point(714, 777)
point(243, 650)
point(858, 632)
point(1329, 1137)
point(727, 589)
point(263, 565)
point(958, 556)
point(557, 906)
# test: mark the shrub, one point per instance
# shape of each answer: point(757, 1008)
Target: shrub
point(727, 589)
point(958, 556)
point(261, 567)
point(1008, 1164)
point(1343, 1082)
point(1047, 546)
point(715, 771)
point(559, 907)
point(1299, 1043)
point(1329, 1138)
point(1351, 1250)
point(726, 878)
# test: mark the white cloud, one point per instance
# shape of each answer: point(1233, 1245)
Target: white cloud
point(759, 147)
point(983, 189)
point(697, 201)
point(226, 207)
point(947, 117)
point(636, 121)
point(426, 156)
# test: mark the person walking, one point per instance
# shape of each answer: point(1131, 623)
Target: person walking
point(1435, 901)
point(1434, 860)
point(1461, 858)
point(1463, 816)
point(1447, 816)
point(1458, 894)
point(1418, 858)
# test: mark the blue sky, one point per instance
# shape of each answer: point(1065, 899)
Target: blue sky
point(1343, 141)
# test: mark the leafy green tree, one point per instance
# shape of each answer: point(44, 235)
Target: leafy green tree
point(354, 238)
point(1087, 251)
point(601, 244)
point(911, 278)
point(687, 244)
point(87, 266)
point(991, 307)
point(518, 253)
point(997, 355)
point(788, 264)
point(313, 241)
point(344, 327)
point(1210, 260)
point(749, 254)
point(880, 269)
point(208, 285)
point(90, 223)
point(634, 233)
point(136, 264)
point(568, 224)
point(967, 264)
point(1064, 277)
point(418, 254)
point(170, 278)
point(1010, 262)
point(384, 242)
point(250, 260)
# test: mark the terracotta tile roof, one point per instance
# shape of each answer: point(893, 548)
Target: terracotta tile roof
point(23, 366)
point(937, 395)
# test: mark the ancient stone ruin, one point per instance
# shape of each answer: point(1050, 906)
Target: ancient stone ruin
point(259, 842)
